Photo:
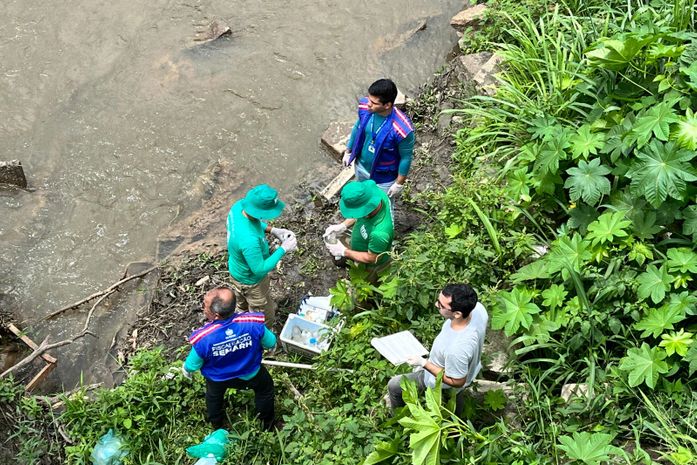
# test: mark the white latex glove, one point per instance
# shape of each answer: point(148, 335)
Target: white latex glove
point(395, 189)
point(290, 243)
point(336, 229)
point(185, 372)
point(338, 249)
point(281, 233)
point(416, 361)
point(345, 159)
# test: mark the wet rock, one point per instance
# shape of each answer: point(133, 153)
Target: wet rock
point(214, 31)
point(401, 100)
point(470, 17)
point(336, 137)
point(11, 172)
point(496, 355)
point(484, 386)
point(570, 390)
point(484, 79)
point(469, 65)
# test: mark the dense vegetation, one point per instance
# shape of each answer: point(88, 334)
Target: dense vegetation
point(571, 209)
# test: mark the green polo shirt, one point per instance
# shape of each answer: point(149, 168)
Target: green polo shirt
point(375, 234)
point(248, 252)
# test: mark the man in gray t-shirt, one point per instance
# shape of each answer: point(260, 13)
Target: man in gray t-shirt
point(457, 350)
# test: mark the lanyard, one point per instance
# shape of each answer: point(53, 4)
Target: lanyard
point(372, 126)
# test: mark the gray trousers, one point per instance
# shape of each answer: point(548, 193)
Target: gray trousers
point(394, 391)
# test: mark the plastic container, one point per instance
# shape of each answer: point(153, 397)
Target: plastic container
point(317, 309)
point(306, 337)
point(210, 460)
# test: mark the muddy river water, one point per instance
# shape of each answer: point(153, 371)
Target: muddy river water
point(117, 115)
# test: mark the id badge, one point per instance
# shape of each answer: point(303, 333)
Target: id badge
point(371, 148)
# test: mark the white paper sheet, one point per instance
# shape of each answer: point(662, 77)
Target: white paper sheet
point(397, 347)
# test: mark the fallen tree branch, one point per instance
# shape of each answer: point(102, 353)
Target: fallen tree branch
point(43, 347)
point(89, 314)
point(298, 396)
point(56, 401)
point(100, 293)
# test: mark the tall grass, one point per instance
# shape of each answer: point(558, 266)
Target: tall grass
point(543, 75)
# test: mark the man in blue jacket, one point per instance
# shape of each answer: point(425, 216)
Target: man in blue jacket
point(382, 140)
point(228, 352)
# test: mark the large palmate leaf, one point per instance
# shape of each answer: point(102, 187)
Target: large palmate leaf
point(383, 450)
point(662, 171)
point(551, 152)
point(658, 320)
point(425, 425)
point(655, 121)
point(691, 358)
point(615, 54)
point(691, 73)
point(676, 342)
point(514, 309)
point(654, 283)
point(686, 131)
point(554, 296)
point(581, 216)
point(644, 364)
point(568, 254)
point(543, 127)
point(589, 448)
point(495, 400)
point(518, 184)
point(608, 227)
point(585, 142)
point(682, 260)
point(588, 181)
point(644, 224)
point(535, 270)
point(618, 142)
point(684, 302)
point(689, 226)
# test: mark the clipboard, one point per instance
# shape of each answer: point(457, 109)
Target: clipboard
point(397, 347)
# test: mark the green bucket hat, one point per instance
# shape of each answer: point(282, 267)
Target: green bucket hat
point(359, 198)
point(261, 202)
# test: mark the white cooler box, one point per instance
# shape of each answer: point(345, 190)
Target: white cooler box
point(306, 332)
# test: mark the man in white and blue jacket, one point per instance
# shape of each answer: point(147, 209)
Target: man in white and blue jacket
point(228, 352)
point(382, 140)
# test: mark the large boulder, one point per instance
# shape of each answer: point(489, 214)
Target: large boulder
point(470, 17)
point(11, 172)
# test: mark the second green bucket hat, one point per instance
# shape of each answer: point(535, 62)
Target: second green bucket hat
point(359, 198)
point(262, 203)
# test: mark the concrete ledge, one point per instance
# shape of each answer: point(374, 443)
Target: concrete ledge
point(335, 138)
point(338, 183)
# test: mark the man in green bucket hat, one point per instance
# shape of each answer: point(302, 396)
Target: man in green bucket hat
point(249, 259)
point(367, 208)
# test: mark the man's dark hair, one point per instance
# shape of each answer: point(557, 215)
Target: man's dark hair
point(221, 306)
point(384, 89)
point(464, 298)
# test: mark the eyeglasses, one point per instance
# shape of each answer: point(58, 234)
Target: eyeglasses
point(440, 306)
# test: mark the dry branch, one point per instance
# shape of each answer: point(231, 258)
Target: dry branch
point(43, 347)
point(107, 291)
